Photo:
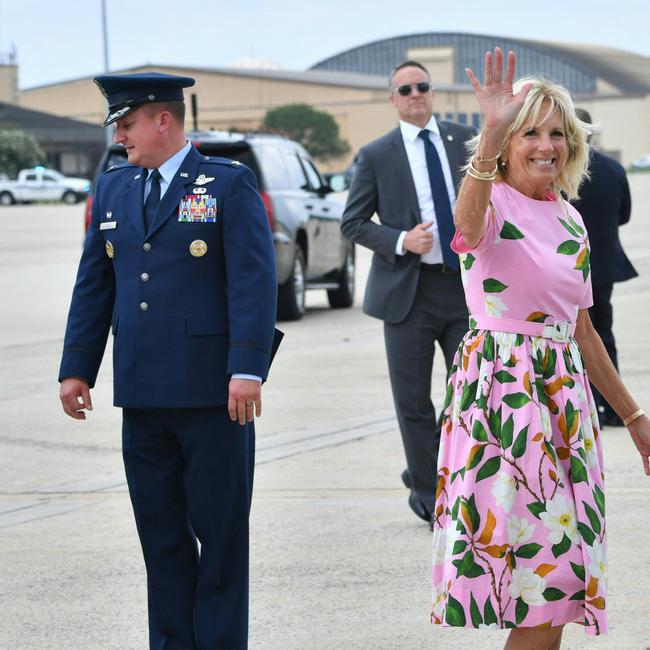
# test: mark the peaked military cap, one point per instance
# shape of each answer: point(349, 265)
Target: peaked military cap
point(125, 92)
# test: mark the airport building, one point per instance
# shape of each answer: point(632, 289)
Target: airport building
point(612, 84)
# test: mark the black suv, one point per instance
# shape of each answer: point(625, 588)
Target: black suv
point(310, 251)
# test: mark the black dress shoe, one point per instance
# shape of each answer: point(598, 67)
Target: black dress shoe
point(418, 507)
point(406, 479)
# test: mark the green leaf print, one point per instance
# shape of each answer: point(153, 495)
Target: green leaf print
point(472, 323)
point(469, 393)
point(510, 231)
point(569, 228)
point(476, 458)
point(473, 512)
point(492, 285)
point(454, 613)
point(519, 448)
point(468, 567)
point(521, 610)
point(494, 422)
point(504, 377)
point(516, 400)
point(599, 498)
point(578, 569)
point(468, 261)
point(459, 546)
point(578, 472)
point(575, 226)
point(568, 247)
point(579, 595)
point(490, 467)
point(454, 509)
point(474, 612)
point(593, 518)
point(536, 508)
point(548, 363)
point(488, 347)
point(508, 625)
point(561, 547)
point(587, 534)
point(551, 594)
point(528, 551)
point(478, 431)
point(460, 472)
point(489, 615)
point(507, 431)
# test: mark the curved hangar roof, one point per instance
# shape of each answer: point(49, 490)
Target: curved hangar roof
point(577, 67)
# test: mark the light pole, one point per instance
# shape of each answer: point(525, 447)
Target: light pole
point(108, 132)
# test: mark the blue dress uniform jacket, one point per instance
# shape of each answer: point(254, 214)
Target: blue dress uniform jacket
point(190, 303)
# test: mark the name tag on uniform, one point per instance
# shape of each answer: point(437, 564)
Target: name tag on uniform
point(108, 225)
point(197, 208)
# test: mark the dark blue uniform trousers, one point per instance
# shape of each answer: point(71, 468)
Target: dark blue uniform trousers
point(190, 477)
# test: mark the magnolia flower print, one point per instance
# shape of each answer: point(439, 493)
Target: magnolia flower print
point(494, 306)
point(528, 586)
point(560, 520)
point(598, 561)
point(504, 490)
point(520, 530)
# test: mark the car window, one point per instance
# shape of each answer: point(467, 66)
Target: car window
point(273, 168)
point(30, 177)
point(49, 179)
point(297, 178)
point(315, 181)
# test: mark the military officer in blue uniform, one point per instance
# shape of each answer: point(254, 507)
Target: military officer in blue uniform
point(179, 263)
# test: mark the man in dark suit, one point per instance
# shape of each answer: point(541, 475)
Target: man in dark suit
point(604, 206)
point(179, 260)
point(409, 178)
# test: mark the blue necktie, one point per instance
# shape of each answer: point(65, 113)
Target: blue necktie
point(153, 199)
point(441, 203)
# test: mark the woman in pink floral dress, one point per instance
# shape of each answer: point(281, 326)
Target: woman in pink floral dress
point(519, 531)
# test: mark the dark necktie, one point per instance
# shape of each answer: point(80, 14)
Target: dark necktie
point(440, 201)
point(153, 199)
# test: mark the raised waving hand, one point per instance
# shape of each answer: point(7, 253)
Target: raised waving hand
point(499, 105)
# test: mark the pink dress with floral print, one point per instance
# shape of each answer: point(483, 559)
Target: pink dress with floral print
point(519, 524)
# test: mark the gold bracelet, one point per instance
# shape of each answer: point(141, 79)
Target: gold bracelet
point(481, 176)
point(480, 158)
point(487, 179)
point(630, 418)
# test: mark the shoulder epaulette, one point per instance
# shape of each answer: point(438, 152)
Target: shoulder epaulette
point(221, 161)
point(114, 168)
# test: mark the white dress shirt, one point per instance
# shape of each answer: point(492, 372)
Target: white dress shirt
point(167, 172)
point(418, 163)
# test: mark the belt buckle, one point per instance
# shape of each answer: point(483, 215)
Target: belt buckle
point(560, 333)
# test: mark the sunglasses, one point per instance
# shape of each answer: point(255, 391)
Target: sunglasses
point(405, 90)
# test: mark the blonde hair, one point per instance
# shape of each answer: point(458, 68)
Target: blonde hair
point(576, 132)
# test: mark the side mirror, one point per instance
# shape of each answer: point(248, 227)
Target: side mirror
point(339, 182)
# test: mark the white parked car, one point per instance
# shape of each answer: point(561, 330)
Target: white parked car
point(40, 184)
point(641, 163)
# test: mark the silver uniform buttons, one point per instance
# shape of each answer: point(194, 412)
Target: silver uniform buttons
point(144, 277)
point(146, 247)
point(144, 306)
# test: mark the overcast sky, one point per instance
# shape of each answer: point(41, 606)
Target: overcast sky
point(62, 40)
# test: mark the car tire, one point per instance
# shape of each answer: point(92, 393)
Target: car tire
point(291, 294)
point(343, 297)
point(69, 198)
point(6, 198)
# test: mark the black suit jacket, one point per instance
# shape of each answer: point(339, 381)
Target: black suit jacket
point(383, 184)
point(605, 205)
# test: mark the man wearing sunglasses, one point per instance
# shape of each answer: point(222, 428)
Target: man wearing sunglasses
point(409, 178)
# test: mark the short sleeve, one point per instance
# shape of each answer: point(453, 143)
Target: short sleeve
point(492, 230)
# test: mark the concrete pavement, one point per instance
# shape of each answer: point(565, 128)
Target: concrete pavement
point(338, 560)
